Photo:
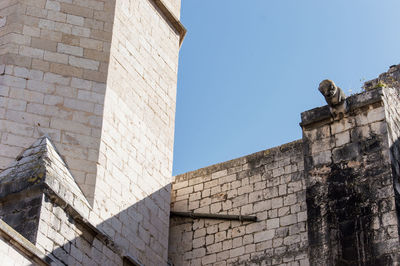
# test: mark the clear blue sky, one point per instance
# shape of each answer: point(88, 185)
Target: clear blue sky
point(248, 68)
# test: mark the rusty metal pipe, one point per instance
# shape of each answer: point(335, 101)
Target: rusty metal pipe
point(215, 216)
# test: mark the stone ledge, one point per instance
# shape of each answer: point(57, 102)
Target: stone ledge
point(323, 114)
point(97, 233)
point(23, 245)
point(70, 210)
point(42, 164)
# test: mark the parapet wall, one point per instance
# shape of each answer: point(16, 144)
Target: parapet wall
point(269, 184)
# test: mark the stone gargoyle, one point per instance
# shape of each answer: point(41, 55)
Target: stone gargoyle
point(334, 96)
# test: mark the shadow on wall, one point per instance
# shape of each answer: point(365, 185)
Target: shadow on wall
point(140, 231)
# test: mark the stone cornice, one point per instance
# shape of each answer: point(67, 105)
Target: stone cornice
point(170, 18)
point(323, 114)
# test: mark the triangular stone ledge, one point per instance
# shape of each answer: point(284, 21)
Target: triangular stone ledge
point(40, 166)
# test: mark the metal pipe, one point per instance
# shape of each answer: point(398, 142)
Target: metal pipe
point(215, 216)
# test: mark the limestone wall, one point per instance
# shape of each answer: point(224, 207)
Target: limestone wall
point(40, 199)
point(68, 242)
point(268, 184)
point(8, 12)
point(135, 163)
point(57, 78)
point(52, 81)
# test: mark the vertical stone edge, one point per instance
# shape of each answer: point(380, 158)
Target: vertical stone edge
point(391, 98)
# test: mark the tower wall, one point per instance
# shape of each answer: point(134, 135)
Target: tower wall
point(136, 151)
point(99, 77)
point(54, 65)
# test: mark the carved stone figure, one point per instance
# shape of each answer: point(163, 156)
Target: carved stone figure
point(334, 96)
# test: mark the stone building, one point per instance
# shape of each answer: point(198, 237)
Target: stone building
point(87, 107)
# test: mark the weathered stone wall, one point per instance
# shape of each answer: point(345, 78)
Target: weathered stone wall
point(57, 234)
point(389, 79)
point(348, 192)
point(52, 81)
point(40, 199)
point(268, 184)
point(350, 195)
point(22, 213)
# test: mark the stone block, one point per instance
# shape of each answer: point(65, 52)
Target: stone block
point(263, 236)
point(69, 49)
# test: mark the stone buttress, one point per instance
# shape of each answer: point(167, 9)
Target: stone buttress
point(351, 175)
